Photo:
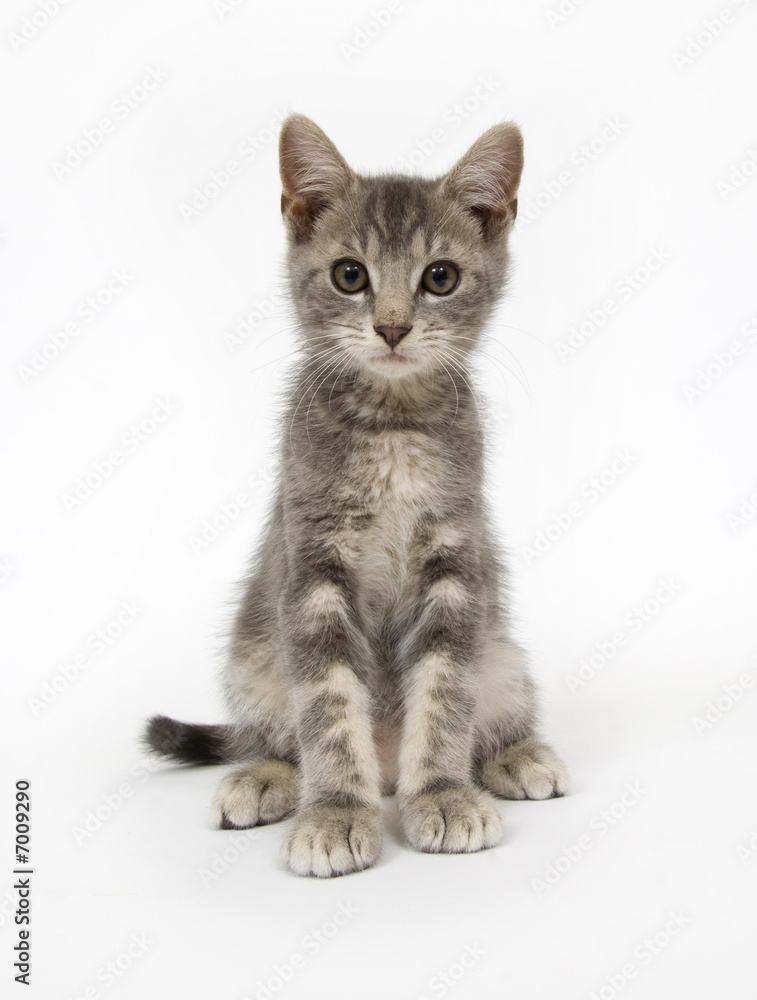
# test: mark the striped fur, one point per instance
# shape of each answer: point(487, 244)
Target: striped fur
point(371, 650)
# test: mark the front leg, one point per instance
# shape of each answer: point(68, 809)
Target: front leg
point(440, 807)
point(336, 828)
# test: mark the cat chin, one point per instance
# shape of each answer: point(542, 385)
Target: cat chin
point(393, 366)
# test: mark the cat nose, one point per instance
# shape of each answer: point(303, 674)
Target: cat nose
point(392, 334)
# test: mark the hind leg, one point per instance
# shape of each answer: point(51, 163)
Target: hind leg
point(511, 760)
point(260, 792)
point(526, 769)
point(265, 787)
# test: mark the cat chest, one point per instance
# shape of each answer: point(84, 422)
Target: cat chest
point(402, 470)
point(401, 481)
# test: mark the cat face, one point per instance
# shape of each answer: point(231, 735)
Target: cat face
point(395, 276)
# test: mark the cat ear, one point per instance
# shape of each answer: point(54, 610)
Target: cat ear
point(313, 173)
point(486, 179)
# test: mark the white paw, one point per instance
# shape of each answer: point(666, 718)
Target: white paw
point(261, 792)
point(330, 840)
point(527, 769)
point(452, 821)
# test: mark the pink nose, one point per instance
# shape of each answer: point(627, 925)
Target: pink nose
point(392, 334)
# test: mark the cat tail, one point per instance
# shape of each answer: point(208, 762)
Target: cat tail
point(187, 742)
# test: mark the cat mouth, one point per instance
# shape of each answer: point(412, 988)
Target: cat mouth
point(393, 360)
point(393, 363)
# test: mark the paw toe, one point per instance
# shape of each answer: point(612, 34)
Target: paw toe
point(452, 821)
point(327, 841)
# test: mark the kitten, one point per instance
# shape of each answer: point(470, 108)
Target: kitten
point(371, 650)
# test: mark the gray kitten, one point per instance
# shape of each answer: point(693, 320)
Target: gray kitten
point(371, 651)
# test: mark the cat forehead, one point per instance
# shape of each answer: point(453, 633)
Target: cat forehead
point(398, 211)
point(396, 216)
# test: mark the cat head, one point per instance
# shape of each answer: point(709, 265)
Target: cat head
point(395, 276)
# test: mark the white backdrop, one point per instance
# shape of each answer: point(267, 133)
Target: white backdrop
point(145, 341)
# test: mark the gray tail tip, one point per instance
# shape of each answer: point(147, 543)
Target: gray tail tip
point(185, 742)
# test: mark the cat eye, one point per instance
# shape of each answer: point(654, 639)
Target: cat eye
point(349, 276)
point(440, 277)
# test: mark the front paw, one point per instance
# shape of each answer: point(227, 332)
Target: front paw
point(332, 840)
point(452, 821)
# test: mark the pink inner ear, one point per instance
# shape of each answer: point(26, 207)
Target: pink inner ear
point(312, 171)
point(486, 179)
point(492, 218)
point(302, 213)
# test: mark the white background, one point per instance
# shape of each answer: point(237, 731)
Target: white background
point(674, 174)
